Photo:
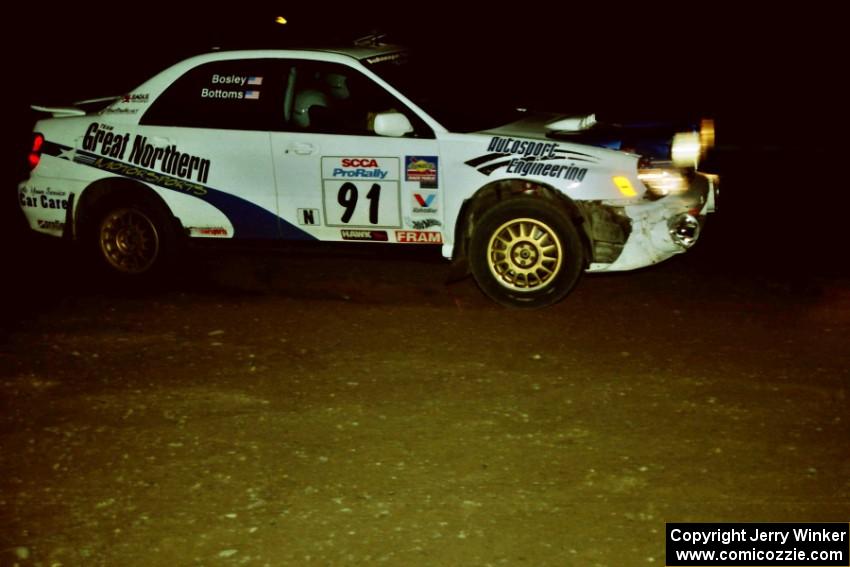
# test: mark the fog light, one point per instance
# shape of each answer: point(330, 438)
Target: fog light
point(684, 230)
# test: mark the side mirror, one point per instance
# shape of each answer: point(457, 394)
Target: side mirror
point(392, 124)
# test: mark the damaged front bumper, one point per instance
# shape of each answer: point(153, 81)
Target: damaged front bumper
point(664, 227)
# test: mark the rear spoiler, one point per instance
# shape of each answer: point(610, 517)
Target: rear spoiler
point(78, 108)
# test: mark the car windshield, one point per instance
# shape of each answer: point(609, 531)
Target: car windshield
point(459, 98)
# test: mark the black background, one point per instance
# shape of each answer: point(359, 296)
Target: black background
point(771, 76)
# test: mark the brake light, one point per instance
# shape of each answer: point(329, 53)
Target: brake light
point(35, 153)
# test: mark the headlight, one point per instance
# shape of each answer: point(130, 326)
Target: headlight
point(663, 182)
point(686, 149)
point(689, 147)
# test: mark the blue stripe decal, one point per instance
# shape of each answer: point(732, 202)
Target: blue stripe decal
point(248, 219)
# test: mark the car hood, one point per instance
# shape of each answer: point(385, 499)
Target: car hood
point(648, 138)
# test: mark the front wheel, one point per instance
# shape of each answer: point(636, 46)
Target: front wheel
point(525, 252)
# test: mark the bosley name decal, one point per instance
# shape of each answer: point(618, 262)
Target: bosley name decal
point(101, 139)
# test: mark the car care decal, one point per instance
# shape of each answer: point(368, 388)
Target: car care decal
point(361, 191)
point(248, 219)
point(418, 237)
point(373, 235)
point(524, 157)
point(34, 198)
point(422, 169)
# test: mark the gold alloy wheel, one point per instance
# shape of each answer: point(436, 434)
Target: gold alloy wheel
point(524, 255)
point(129, 241)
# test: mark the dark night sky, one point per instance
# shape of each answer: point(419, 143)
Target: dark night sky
point(749, 67)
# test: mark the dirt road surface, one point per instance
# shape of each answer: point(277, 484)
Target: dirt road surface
point(288, 409)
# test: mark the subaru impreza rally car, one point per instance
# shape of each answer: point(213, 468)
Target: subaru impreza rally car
point(331, 145)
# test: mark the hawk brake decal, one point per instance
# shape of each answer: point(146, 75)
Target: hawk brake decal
point(248, 220)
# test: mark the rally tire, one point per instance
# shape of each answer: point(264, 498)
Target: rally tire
point(132, 238)
point(526, 252)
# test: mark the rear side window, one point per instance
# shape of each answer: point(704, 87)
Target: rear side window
point(245, 94)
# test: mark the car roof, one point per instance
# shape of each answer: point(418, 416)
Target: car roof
point(363, 52)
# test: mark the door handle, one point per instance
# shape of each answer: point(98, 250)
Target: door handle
point(302, 148)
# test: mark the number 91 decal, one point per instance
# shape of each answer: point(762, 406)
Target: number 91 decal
point(370, 201)
point(362, 203)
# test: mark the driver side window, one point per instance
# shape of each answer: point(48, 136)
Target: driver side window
point(328, 98)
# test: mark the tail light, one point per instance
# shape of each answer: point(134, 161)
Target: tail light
point(35, 152)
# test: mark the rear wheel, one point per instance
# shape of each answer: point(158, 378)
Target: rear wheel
point(132, 238)
point(525, 252)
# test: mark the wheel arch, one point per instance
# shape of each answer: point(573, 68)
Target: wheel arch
point(104, 191)
point(503, 189)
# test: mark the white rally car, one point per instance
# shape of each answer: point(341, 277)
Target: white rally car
point(337, 145)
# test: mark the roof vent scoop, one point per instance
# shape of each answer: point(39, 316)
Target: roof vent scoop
point(572, 124)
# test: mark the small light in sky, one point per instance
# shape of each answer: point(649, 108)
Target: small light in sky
point(280, 20)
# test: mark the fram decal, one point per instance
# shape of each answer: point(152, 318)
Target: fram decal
point(102, 140)
point(374, 235)
point(418, 237)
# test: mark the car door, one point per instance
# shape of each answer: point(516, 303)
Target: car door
point(222, 112)
point(336, 178)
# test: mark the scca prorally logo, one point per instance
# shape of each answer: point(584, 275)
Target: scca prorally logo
point(366, 168)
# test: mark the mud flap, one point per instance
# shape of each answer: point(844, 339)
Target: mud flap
point(68, 229)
